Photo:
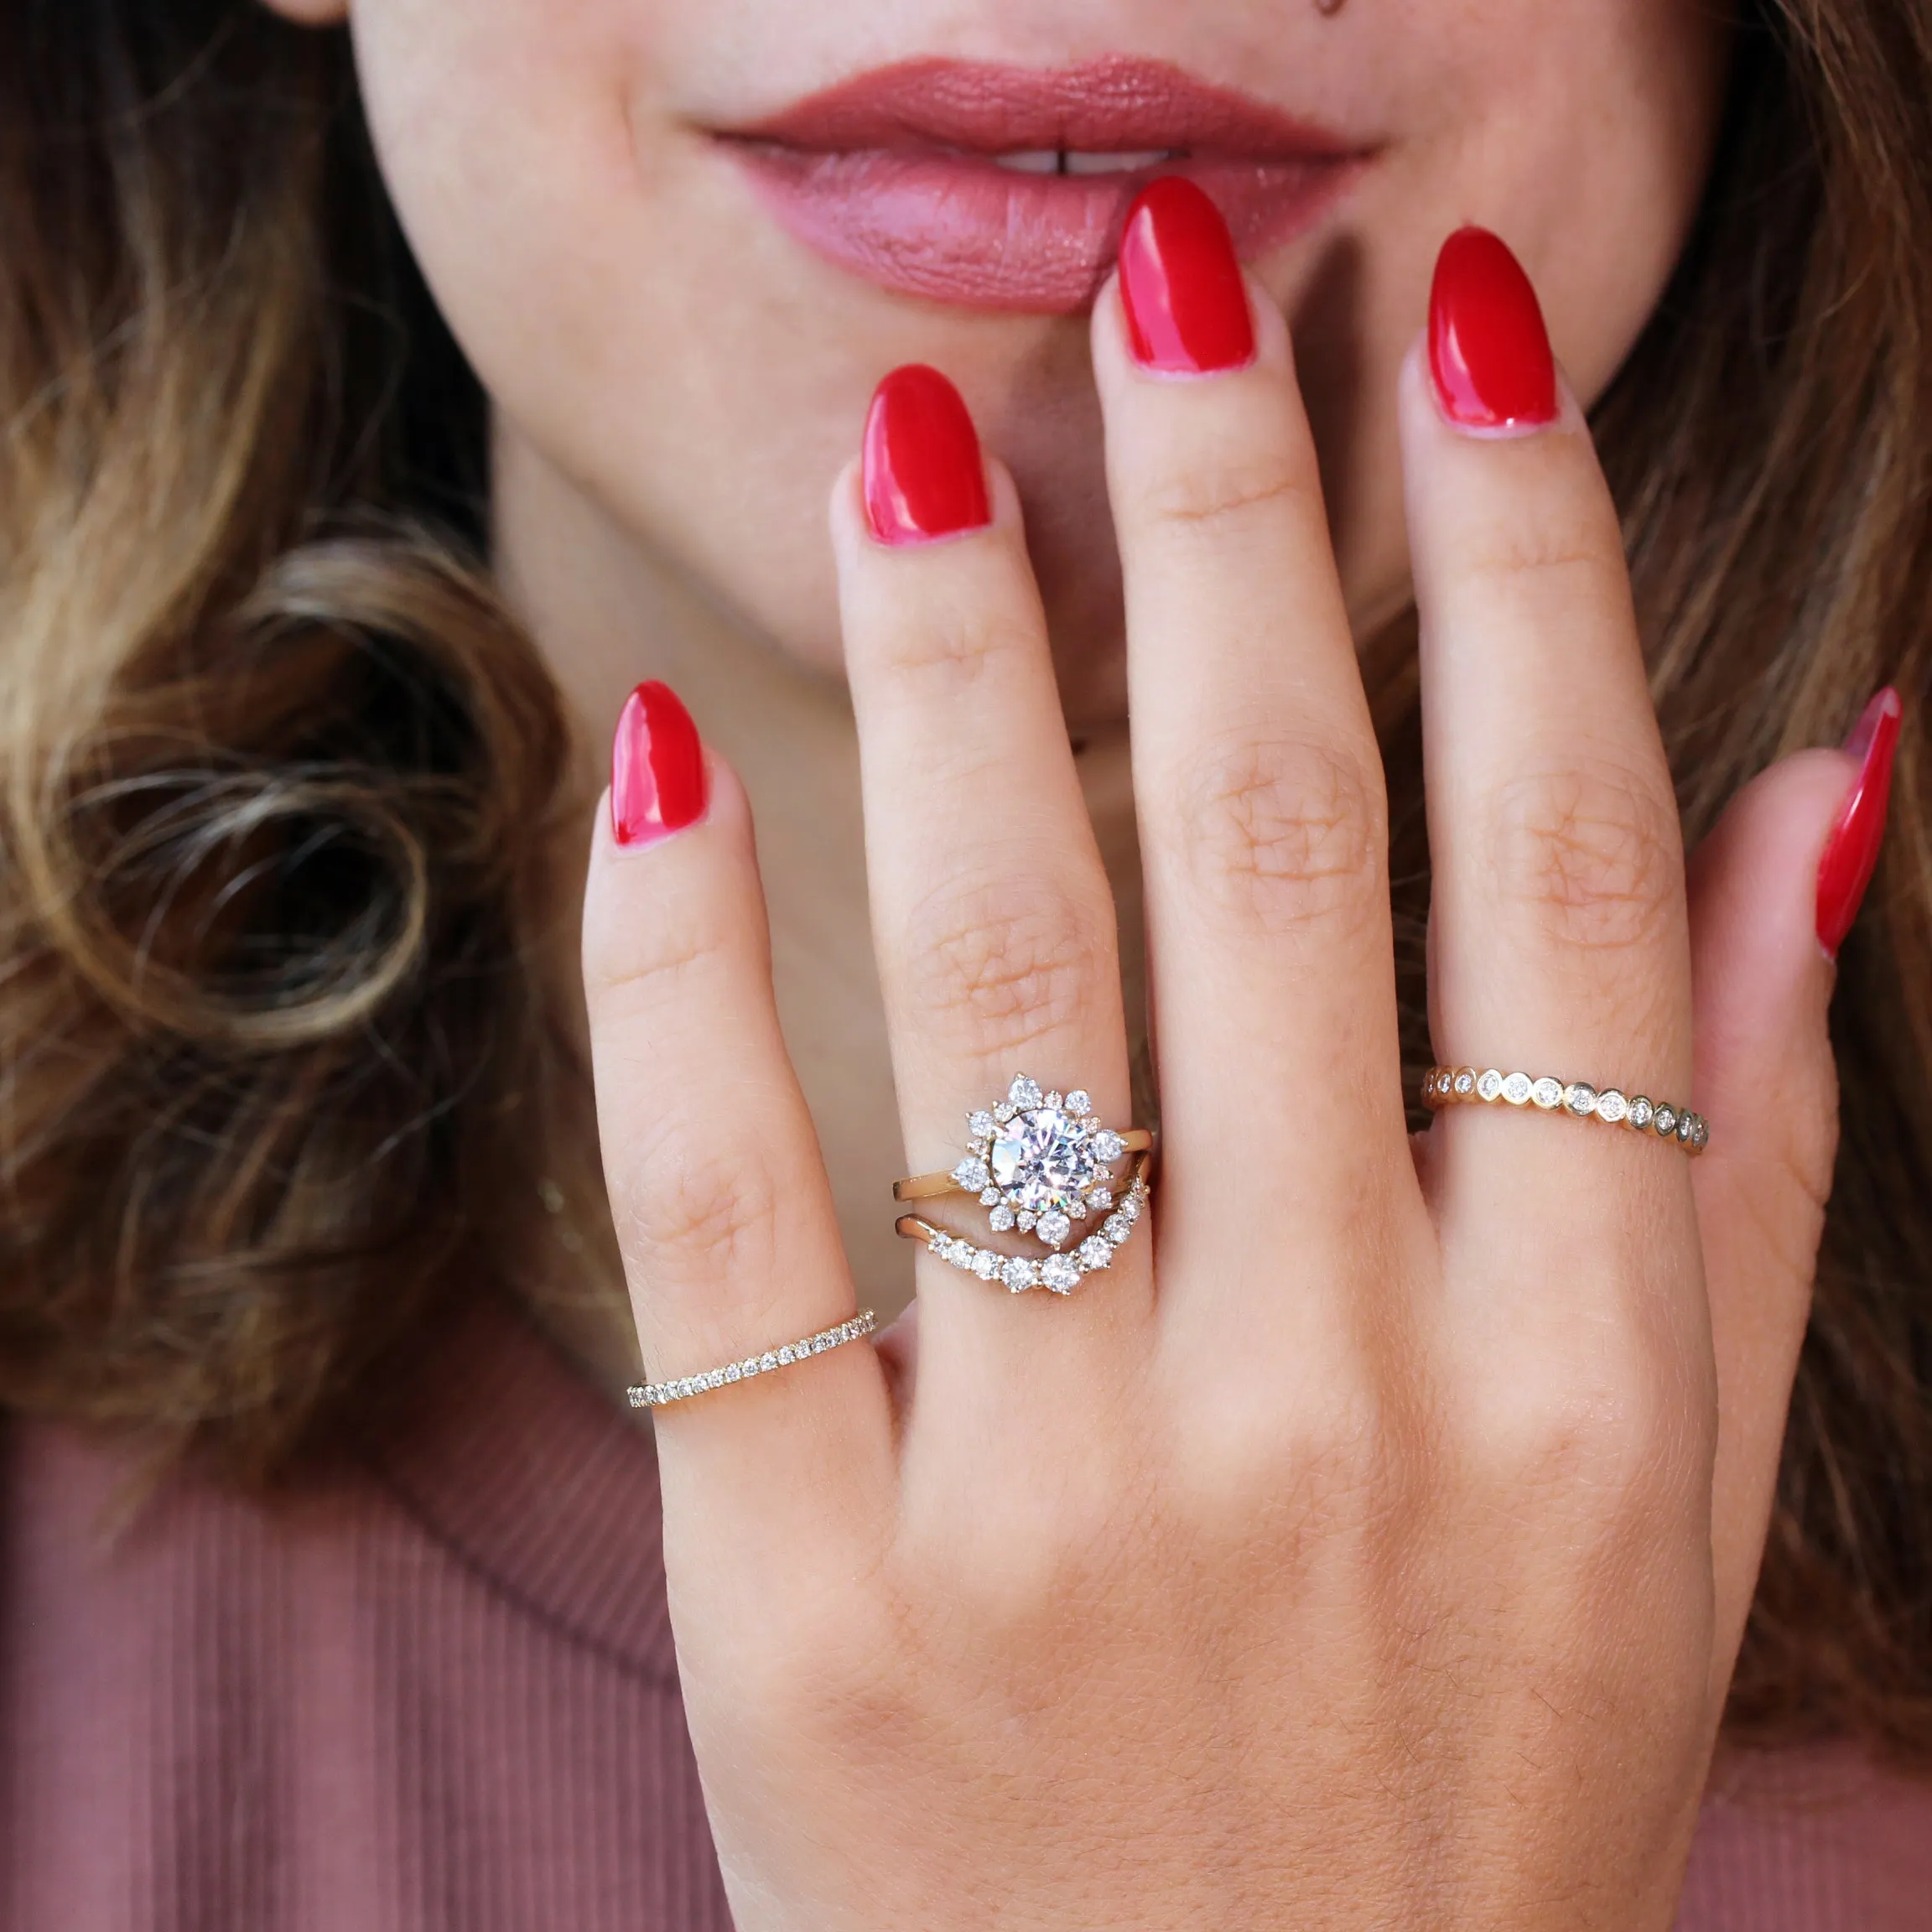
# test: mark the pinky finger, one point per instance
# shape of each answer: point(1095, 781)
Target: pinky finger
point(718, 1191)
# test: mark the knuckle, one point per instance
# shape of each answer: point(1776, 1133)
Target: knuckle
point(1347, 1449)
point(1283, 833)
point(954, 643)
point(1591, 851)
point(1557, 545)
point(696, 1212)
point(1005, 961)
point(658, 959)
point(1609, 1434)
point(1222, 491)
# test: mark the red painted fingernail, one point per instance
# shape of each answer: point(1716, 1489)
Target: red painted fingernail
point(1852, 851)
point(1180, 284)
point(1489, 350)
point(923, 472)
point(657, 767)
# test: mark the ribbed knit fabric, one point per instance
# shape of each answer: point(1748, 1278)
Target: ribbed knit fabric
point(438, 1694)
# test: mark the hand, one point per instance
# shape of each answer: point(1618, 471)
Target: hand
point(1371, 1543)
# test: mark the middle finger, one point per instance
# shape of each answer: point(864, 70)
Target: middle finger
point(1257, 777)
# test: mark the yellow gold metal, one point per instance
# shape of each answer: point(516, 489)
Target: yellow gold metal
point(1463, 1086)
point(916, 1228)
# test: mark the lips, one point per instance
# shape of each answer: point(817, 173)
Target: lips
point(1004, 188)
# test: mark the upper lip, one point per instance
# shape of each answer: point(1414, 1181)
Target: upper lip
point(1118, 105)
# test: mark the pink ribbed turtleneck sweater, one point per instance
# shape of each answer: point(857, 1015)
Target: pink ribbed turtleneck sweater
point(439, 1691)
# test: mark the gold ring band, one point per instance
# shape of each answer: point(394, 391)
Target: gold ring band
point(1459, 1085)
point(657, 1394)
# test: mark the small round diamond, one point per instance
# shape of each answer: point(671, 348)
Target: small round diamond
point(1025, 1219)
point(1116, 1229)
point(769, 1360)
point(1129, 1209)
point(785, 1356)
point(1465, 1080)
point(1107, 1146)
point(1686, 1126)
point(1059, 1272)
point(1700, 1134)
point(988, 1196)
point(981, 1126)
point(1099, 1199)
point(1024, 1093)
point(1611, 1106)
point(1516, 1088)
point(985, 1264)
point(1052, 1228)
point(1017, 1274)
point(1641, 1110)
point(972, 1174)
point(1579, 1097)
point(1001, 1219)
point(1077, 1209)
point(1078, 1103)
point(1547, 1093)
point(1665, 1120)
point(1096, 1251)
point(1489, 1084)
point(733, 1373)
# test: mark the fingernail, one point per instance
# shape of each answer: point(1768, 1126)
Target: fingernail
point(1852, 851)
point(1489, 350)
point(923, 472)
point(1180, 284)
point(657, 767)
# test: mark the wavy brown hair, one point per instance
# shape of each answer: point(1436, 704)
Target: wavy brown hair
point(277, 775)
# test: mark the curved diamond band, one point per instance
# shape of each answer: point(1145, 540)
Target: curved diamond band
point(1062, 1273)
point(1456, 1086)
point(657, 1394)
point(1041, 1163)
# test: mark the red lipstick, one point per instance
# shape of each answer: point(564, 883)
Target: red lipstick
point(1004, 188)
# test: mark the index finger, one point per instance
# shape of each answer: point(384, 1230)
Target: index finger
point(718, 1191)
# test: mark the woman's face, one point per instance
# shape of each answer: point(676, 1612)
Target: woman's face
point(682, 239)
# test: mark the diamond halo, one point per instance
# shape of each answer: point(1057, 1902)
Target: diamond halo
point(1043, 1163)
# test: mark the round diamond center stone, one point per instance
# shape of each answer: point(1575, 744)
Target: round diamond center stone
point(1045, 1156)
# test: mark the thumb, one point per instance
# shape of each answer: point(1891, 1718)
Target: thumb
point(1774, 884)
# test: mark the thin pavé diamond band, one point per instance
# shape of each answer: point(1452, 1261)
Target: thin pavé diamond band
point(658, 1395)
point(1456, 1086)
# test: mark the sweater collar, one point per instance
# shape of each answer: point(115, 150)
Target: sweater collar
point(516, 1464)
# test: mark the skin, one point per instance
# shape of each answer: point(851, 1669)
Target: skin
point(1372, 1543)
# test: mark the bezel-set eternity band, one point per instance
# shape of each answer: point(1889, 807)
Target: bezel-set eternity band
point(1458, 1086)
point(660, 1394)
point(1043, 1164)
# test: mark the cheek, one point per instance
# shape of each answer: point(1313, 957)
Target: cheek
point(1590, 133)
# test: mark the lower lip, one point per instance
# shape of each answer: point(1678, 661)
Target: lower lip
point(958, 229)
